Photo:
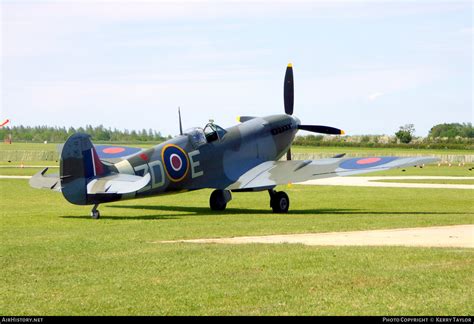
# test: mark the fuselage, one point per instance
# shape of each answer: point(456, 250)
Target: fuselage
point(191, 161)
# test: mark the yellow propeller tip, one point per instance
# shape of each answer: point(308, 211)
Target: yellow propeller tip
point(343, 132)
point(290, 65)
point(238, 119)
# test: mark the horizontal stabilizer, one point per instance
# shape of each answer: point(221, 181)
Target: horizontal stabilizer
point(117, 184)
point(41, 180)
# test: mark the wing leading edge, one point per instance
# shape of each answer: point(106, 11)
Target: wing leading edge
point(272, 173)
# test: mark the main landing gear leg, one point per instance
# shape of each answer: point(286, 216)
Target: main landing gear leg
point(279, 201)
point(95, 214)
point(219, 199)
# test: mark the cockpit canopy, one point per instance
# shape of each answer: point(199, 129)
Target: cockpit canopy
point(196, 136)
point(210, 133)
point(214, 132)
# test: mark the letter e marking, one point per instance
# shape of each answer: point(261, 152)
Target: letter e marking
point(195, 164)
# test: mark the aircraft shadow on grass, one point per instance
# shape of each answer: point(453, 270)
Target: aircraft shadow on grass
point(204, 211)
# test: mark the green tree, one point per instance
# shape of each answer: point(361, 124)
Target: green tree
point(452, 130)
point(405, 134)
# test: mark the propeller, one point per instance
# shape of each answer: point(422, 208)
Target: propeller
point(289, 90)
point(288, 97)
point(322, 129)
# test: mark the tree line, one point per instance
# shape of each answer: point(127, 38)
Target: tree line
point(442, 136)
point(60, 134)
point(453, 136)
point(464, 130)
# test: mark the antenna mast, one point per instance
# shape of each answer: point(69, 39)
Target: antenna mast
point(180, 125)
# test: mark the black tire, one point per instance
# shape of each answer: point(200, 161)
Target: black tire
point(95, 214)
point(217, 200)
point(280, 202)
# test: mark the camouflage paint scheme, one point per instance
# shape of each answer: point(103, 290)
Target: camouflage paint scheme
point(241, 158)
point(245, 157)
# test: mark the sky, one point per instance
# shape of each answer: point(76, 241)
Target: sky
point(367, 67)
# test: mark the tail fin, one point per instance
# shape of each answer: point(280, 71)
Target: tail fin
point(79, 162)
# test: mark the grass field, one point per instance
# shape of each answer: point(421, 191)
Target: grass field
point(50, 146)
point(24, 171)
point(35, 152)
point(42, 154)
point(453, 171)
point(428, 170)
point(295, 149)
point(55, 260)
point(436, 181)
point(374, 151)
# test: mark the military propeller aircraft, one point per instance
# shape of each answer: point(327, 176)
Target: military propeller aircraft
point(245, 157)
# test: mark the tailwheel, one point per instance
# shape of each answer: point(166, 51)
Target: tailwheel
point(95, 214)
point(219, 199)
point(279, 201)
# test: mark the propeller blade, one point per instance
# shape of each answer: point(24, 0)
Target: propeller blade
point(288, 90)
point(321, 129)
point(288, 154)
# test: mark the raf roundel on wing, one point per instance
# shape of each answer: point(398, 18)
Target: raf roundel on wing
point(364, 163)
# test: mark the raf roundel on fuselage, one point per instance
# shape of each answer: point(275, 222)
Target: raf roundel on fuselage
point(176, 162)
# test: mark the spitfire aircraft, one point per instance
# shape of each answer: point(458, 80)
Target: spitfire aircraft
point(245, 157)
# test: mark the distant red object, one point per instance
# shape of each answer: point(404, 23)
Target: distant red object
point(6, 121)
point(8, 139)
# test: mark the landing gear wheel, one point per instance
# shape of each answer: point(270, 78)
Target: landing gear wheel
point(280, 202)
point(219, 199)
point(95, 214)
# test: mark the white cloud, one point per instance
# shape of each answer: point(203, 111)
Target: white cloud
point(375, 95)
point(354, 86)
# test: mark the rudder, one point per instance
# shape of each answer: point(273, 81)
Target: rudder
point(79, 162)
